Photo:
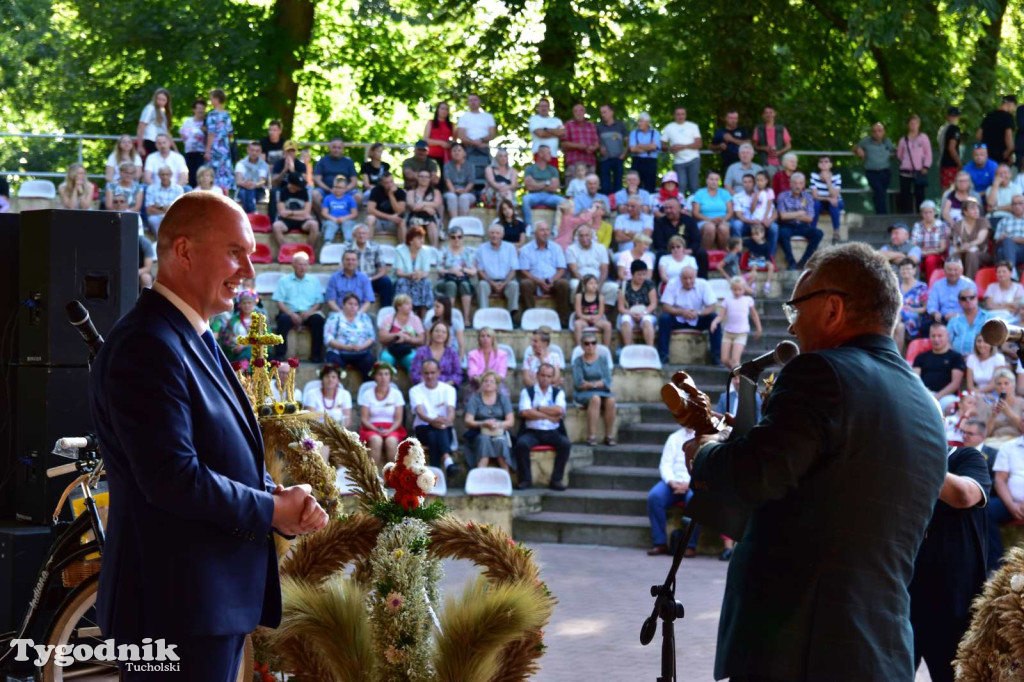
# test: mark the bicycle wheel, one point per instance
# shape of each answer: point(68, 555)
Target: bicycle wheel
point(75, 623)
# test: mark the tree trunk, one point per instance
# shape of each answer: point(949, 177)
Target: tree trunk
point(981, 75)
point(557, 52)
point(291, 31)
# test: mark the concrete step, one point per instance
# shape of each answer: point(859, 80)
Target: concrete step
point(646, 433)
point(583, 529)
point(606, 502)
point(613, 478)
point(632, 455)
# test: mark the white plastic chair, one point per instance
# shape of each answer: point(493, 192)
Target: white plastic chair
point(470, 225)
point(488, 481)
point(388, 254)
point(639, 356)
point(346, 487)
point(384, 312)
point(602, 350)
point(511, 354)
point(720, 288)
point(535, 318)
point(441, 487)
point(266, 282)
point(331, 254)
point(37, 189)
point(497, 319)
point(457, 318)
point(324, 278)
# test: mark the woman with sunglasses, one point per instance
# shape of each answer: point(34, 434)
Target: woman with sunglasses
point(592, 390)
point(457, 269)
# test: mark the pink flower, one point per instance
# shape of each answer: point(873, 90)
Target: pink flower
point(394, 602)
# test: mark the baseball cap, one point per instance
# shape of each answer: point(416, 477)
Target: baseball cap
point(670, 177)
point(953, 111)
point(290, 146)
point(421, 144)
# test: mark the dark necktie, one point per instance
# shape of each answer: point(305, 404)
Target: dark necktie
point(211, 343)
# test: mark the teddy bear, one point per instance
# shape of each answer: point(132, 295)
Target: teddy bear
point(409, 475)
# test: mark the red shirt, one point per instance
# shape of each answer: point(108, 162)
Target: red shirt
point(440, 131)
point(582, 133)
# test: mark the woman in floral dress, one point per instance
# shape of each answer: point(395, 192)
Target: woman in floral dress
point(219, 133)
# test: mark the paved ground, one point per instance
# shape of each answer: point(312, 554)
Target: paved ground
point(604, 598)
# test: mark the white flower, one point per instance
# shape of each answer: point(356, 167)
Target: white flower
point(1017, 583)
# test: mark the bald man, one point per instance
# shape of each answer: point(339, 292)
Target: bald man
point(189, 556)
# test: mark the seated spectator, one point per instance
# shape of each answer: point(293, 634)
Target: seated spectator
point(953, 199)
point(931, 236)
point(412, 270)
point(501, 181)
point(514, 228)
point(424, 204)
point(969, 238)
point(433, 404)
point(288, 162)
point(676, 224)
point(982, 170)
point(299, 299)
point(486, 357)
point(745, 166)
point(630, 224)
point(900, 248)
point(965, 326)
point(1009, 237)
point(688, 303)
point(349, 280)
point(126, 187)
point(159, 198)
point(372, 264)
point(165, 157)
point(542, 408)
point(585, 257)
point(743, 200)
point(542, 272)
point(453, 318)
point(941, 369)
point(669, 190)
point(380, 415)
point(542, 185)
point(124, 152)
point(578, 184)
point(673, 488)
point(238, 325)
point(252, 174)
point(982, 364)
point(796, 213)
point(760, 257)
point(637, 301)
point(457, 269)
point(631, 189)
point(386, 208)
point(1005, 421)
point(783, 177)
point(146, 255)
point(944, 294)
point(915, 302)
point(331, 399)
point(825, 188)
point(644, 146)
point(639, 251)
point(205, 181)
point(737, 312)
point(76, 192)
point(490, 414)
point(459, 180)
point(373, 169)
point(671, 264)
point(590, 195)
point(1000, 194)
point(338, 210)
point(331, 167)
point(712, 209)
point(295, 212)
point(497, 263)
point(592, 389)
point(439, 349)
point(729, 403)
point(1004, 297)
point(349, 337)
point(400, 333)
point(589, 304)
point(1006, 503)
point(540, 353)
point(419, 161)
point(762, 210)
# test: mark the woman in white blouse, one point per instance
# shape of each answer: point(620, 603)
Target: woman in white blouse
point(982, 365)
point(330, 399)
point(1004, 297)
point(381, 407)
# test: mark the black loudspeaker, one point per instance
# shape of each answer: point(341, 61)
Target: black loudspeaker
point(89, 255)
point(22, 550)
point(8, 351)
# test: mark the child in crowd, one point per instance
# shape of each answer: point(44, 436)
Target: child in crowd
point(590, 310)
point(735, 316)
point(730, 265)
point(339, 210)
point(759, 258)
point(578, 184)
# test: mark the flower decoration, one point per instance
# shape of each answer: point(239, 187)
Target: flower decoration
point(279, 408)
point(394, 602)
point(308, 444)
point(293, 362)
point(259, 362)
point(1017, 583)
point(393, 655)
point(275, 363)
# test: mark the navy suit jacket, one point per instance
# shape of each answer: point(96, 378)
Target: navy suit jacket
point(843, 472)
point(188, 547)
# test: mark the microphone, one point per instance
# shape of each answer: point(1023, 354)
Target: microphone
point(996, 332)
point(780, 355)
point(79, 317)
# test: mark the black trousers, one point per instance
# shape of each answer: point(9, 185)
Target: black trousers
point(202, 659)
point(194, 161)
point(437, 442)
point(315, 324)
point(531, 438)
point(936, 640)
point(911, 194)
point(384, 290)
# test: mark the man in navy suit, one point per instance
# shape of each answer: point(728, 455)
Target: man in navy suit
point(189, 557)
point(842, 474)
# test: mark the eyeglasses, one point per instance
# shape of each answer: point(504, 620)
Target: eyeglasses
point(455, 236)
point(590, 343)
point(981, 145)
point(789, 308)
point(968, 298)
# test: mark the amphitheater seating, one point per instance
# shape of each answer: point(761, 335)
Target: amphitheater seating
point(470, 225)
point(388, 254)
point(313, 385)
point(288, 251)
point(262, 254)
point(490, 481)
point(497, 319)
point(602, 350)
point(331, 254)
point(324, 278)
point(266, 282)
point(512, 364)
point(37, 189)
point(715, 258)
point(639, 356)
point(259, 222)
point(346, 488)
point(982, 279)
point(441, 487)
point(936, 275)
point(916, 347)
point(535, 318)
point(384, 312)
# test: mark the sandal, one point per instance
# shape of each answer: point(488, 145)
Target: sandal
point(610, 441)
point(591, 441)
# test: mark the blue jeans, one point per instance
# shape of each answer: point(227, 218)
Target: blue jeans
point(878, 180)
point(833, 211)
point(248, 198)
point(384, 290)
point(667, 323)
point(1011, 251)
point(997, 513)
point(659, 499)
point(539, 199)
point(362, 361)
point(330, 228)
point(610, 172)
point(736, 227)
point(796, 229)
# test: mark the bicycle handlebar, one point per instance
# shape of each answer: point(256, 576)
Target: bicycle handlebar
point(76, 442)
point(61, 470)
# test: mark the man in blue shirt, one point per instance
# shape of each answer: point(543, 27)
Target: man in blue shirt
point(967, 325)
point(331, 166)
point(496, 265)
point(298, 299)
point(983, 170)
point(583, 202)
point(542, 270)
point(944, 295)
point(349, 280)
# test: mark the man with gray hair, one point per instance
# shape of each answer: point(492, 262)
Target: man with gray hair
point(583, 202)
point(587, 257)
point(1009, 237)
point(900, 246)
point(496, 263)
point(688, 303)
point(796, 213)
point(745, 166)
point(542, 272)
point(845, 416)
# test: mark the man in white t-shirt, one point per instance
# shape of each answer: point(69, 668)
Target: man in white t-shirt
point(1007, 501)
point(542, 408)
point(433, 404)
point(475, 130)
point(682, 139)
point(547, 130)
point(165, 156)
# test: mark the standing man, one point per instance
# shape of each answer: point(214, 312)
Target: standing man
point(772, 140)
point(996, 131)
point(299, 299)
point(580, 141)
point(546, 130)
point(949, 143)
point(475, 131)
point(727, 140)
point(682, 139)
point(836, 425)
point(614, 138)
point(876, 151)
point(189, 557)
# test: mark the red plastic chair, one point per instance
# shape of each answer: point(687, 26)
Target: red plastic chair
point(916, 347)
point(936, 276)
point(983, 278)
point(288, 251)
point(715, 258)
point(745, 262)
point(262, 254)
point(259, 222)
